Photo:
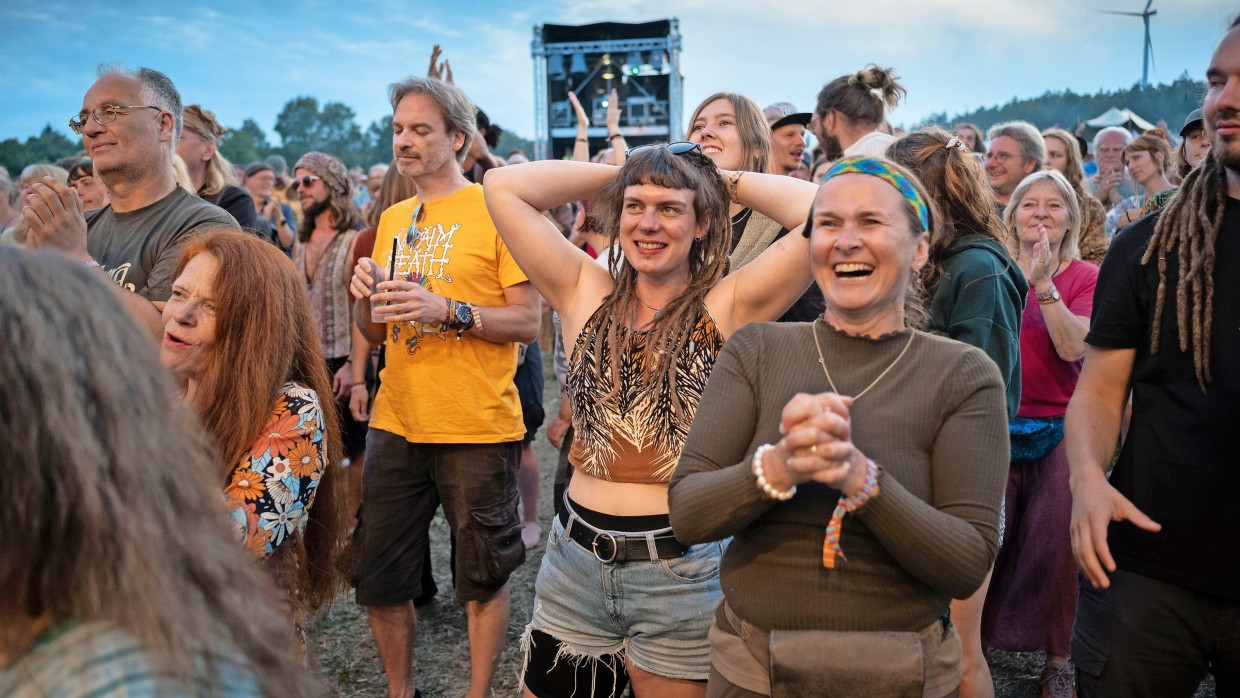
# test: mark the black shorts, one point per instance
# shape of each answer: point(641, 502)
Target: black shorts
point(352, 432)
point(529, 382)
point(403, 484)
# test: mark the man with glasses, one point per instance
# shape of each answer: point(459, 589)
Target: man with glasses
point(130, 122)
point(1016, 151)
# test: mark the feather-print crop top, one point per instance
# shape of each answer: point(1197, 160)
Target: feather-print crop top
point(636, 436)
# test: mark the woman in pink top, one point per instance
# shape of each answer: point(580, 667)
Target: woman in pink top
point(1032, 599)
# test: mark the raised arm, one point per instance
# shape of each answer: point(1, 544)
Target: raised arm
point(615, 139)
point(786, 200)
point(581, 147)
point(516, 196)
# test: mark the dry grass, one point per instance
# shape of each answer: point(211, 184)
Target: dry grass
point(347, 657)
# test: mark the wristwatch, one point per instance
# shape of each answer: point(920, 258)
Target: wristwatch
point(462, 317)
point(1050, 296)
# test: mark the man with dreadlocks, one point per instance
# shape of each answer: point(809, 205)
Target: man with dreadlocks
point(1158, 541)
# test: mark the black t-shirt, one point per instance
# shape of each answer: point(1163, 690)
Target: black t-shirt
point(240, 206)
point(1179, 462)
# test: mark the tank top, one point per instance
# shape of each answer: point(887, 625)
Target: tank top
point(635, 436)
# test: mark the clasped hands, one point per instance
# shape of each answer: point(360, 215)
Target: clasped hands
point(397, 300)
point(816, 445)
point(55, 214)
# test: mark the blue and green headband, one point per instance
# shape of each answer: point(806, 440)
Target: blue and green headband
point(887, 173)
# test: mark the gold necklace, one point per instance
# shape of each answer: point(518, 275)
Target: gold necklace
point(822, 362)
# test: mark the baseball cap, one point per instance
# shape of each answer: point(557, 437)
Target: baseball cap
point(783, 113)
point(1193, 121)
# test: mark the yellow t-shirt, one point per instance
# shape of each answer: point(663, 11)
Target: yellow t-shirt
point(436, 388)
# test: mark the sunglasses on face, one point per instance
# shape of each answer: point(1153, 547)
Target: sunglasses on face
point(677, 148)
point(306, 181)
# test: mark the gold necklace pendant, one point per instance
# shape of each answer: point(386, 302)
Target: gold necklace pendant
point(822, 362)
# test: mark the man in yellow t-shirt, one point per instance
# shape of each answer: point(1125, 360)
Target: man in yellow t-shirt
point(446, 426)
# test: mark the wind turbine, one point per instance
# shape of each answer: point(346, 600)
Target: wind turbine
point(1147, 56)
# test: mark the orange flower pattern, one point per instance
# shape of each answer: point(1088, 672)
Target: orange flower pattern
point(273, 486)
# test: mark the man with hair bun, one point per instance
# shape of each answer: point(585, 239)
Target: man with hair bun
point(850, 111)
point(130, 122)
point(1157, 539)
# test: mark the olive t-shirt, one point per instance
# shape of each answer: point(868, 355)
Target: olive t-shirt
point(139, 249)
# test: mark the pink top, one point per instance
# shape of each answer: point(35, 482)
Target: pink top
point(1046, 381)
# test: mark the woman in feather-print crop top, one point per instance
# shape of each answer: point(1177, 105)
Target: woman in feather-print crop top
point(646, 333)
point(637, 435)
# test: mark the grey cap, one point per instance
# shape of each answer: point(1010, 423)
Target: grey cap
point(1192, 122)
point(783, 113)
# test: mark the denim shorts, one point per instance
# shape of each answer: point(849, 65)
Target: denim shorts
point(655, 613)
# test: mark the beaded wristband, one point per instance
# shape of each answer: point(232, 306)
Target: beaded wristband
point(473, 309)
point(767, 488)
point(831, 545)
point(733, 180)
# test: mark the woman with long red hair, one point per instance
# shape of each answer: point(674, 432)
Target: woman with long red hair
point(239, 335)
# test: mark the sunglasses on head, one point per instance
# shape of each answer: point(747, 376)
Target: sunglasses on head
point(305, 181)
point(677, 148)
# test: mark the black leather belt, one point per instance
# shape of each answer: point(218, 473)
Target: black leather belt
point(614, 547)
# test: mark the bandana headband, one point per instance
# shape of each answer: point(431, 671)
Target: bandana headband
point(885, 172)
point(329, 167)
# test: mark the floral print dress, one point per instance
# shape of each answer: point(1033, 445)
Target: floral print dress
point(271, 490)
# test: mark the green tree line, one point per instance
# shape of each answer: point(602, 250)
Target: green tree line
point(302, 125)
point(1066, 109)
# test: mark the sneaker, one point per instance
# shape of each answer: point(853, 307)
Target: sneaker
point(1057, 681)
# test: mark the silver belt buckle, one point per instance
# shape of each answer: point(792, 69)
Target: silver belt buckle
point(615, 547)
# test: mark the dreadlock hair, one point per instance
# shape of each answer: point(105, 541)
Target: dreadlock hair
point(1189, 226)
point(955, 182)
point(670, 331)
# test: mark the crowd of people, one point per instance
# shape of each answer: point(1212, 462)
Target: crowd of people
point(835, 415)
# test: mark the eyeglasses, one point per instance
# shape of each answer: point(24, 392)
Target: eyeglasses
point(305, 181)
point(104, 114)
point(677, 148)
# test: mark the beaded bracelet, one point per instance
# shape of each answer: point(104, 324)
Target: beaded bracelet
point(767, 488)
point(733, 180)
point(831, 545)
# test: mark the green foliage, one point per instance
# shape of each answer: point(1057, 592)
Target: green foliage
point(303, 125)
point(49, 146)
point(246, 144)
point(1066, 109)
point(509, 141)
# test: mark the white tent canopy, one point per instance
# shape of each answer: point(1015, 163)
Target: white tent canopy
point(1119, 117)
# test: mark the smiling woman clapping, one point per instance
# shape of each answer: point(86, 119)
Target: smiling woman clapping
point(857, 462)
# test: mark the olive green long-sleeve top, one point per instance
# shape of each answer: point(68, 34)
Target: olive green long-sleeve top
point(936, 423)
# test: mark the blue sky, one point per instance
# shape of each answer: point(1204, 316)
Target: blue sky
point(246, 59)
